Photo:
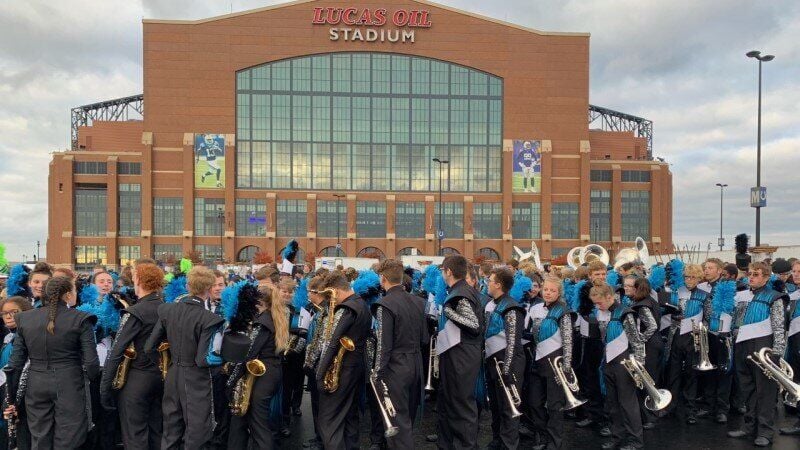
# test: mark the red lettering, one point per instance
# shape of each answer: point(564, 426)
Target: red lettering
point(413, 18)
point(334, 16)
point(424, 22)
point(366, 17)
point(400, 18)
point(349, 16)
point(379, 18)
point(318, 20)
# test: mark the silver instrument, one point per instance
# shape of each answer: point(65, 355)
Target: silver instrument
point(386, 406)
point(657, 399)
point(578, 256)
point(433, 365)
point(512, 395)
point(782, 373)
point(639, 254)
point(570, 387)
point(700, 335)
point(533, 255)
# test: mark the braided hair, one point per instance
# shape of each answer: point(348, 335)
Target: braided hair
point(54, 291)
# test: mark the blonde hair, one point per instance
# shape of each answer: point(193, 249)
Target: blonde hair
point(280, 317)
point(199, 280)
point(557, 281)
point(601, 290)
point(693, 270)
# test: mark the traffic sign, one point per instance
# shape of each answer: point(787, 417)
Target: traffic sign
point(758, 197)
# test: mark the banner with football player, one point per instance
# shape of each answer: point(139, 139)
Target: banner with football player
point(209, 161)
point(527, 173)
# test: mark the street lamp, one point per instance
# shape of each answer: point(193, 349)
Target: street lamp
point(221, 217)
point(338, 225)
point(440, 231)
point(721, 241)
point(766, 58)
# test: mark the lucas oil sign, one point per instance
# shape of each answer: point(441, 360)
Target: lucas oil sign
point(371, 25)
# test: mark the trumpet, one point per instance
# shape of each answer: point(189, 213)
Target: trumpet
point(433, 365)
point(240, 401)
point(386, 406)
point(570, 387)
point(782, 373)
point(164, 361)
point(511, 393)
point(700, 336)
point(331, 381)
point(657, 399)
point(122, 370)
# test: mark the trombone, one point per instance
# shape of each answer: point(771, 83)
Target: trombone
point(511, 393)
point(433, 365)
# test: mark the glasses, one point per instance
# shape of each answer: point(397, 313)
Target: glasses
point(755, 274)
point(534, 285)
point(9, 313)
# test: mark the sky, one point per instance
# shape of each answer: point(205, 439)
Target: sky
point(680, 64)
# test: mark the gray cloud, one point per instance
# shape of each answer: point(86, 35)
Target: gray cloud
point(680, 64)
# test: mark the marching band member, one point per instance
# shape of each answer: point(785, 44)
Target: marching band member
point(257, 335)
point(591, 356)
point(139, 396)
point(459, 347)
point(294, 355)
point(59, 341)
point(504, 323)
point(317, 302)
point(761, 324)
point(341, 371)
point(682, 377)
point(187, 405)
point(550, 328)
point(620, 338)
point(793, 336)
point(400, 334)
point(10, 307)
point(648, 316)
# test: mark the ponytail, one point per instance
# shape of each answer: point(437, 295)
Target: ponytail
point(54, 291)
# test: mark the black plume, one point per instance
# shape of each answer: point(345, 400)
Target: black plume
point(246, 310)
point(585, 307)
point(741, 242)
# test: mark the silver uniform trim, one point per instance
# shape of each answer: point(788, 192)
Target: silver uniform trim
point(462, 315)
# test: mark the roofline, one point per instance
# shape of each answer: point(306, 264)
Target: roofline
point(423, 2)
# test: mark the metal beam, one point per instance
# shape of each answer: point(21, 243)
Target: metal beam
point(120, 109)
point(611, 120)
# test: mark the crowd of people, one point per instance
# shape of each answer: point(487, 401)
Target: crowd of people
point(196, 358)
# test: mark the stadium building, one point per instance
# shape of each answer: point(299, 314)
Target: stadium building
point(364, 124)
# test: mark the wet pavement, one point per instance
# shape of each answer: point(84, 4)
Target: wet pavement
point(670, 433)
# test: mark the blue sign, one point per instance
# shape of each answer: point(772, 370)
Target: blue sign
point(758, 197)
point(254, 219)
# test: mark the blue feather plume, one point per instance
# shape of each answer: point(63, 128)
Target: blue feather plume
point(657, 278)
point(107, 316)
point(675, 270)
point(440, 291)
point(574, 300)
point(230, 300)
point(290, 251)
point(771, 282)
point(569, 288)
point(175, 288)
point(612, 278)
point(416, 280)
point(724, 297)
point(300, 298)
point(367, 286)
point(522, 285)
point(432, 272)
point(17, 283)
point(90, 296)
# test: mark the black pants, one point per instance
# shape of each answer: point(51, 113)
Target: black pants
point(682, 375)
point(546, 399)
point(188, 408)
point(376, 428)
point(139, 406)
point(292, 384)
point(338, 418)
point(222, 412)
point(106, 423)
point(254, 427)
point(652, 363)
point(588, 374)
point(623, 404)
point(313, 392)
point(57, 396)
point(718, 382)
point(457, 407)
point(793, 359)
point(760, 394)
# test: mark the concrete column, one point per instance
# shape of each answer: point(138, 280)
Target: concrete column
point(616, 207)
point(584, 226)
point(351, 246)
point(229, 247)
point(547, 201)
point(112, 213)
point(311, 224)
point(655, 206)
point(469, 228)
point(430, 226)
point(391, 232)
point(147, 195)
point(272, 214)
point(188, 192)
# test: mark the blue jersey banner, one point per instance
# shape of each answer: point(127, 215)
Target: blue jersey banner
point(209, 161)
point(527, 173)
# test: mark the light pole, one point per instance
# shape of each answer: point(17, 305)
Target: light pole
point(440, 231)
point(721, 241)
point(766, 58)
point(37, 250)
point(221, 217)
point(338, 225)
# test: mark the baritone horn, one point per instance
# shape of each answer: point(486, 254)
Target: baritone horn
point(570, 387)
point(122, 370)
point(511, 393)
point(657, 399)
point(638, 254)
point(700, 337)
point(782, 373)
point(433, 365)
point(240, 400)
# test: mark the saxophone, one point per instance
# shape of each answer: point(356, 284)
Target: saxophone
point(163, 364)
point(331, 381)
point(240, 400)
point(122, 370)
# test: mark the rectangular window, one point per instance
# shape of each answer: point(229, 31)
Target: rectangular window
point(130, 209)
point(420, 76)
point(291, 218)
point(420, 167)
point(565, 220)
point(477, 172)
point(301, 118)
point(251, 217)
point(89, 167)
point(331, 223)
point(635, 176)
point(341, 166)
point(209, 216)
point(127, 254)
point(400, 119)
point(459, 169)
point(88, 256)
point(90, 210)
point(600, 216)
point(281, 165)
point(401, 174)
point(495, 163)
point(371, 219)
point(165, 252)
point(361, 73)
point(525, 221)
point(321, 170)
point(409, 220)
point(341, 73)
point(301, 74)
point(452, 219)
point(381, 167)
point(167, 216)
point(560, 251)
point(341, 119)
point(401, 74)
point(487, 220)
point(360, 113)
point(361, 167)
point(635, 215)
point(600, 175)
point(209, 253)
point(129, 168)
point(301, 166)
point(321, 73)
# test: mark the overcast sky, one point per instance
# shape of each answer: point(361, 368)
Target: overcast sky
point(679, 63)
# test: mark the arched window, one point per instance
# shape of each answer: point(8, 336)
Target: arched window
point(447, 251)
point(332, 251)
point(246, 254)
point(300, 259)
point(489, 254)
point(372, 252)
point(408, 251)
